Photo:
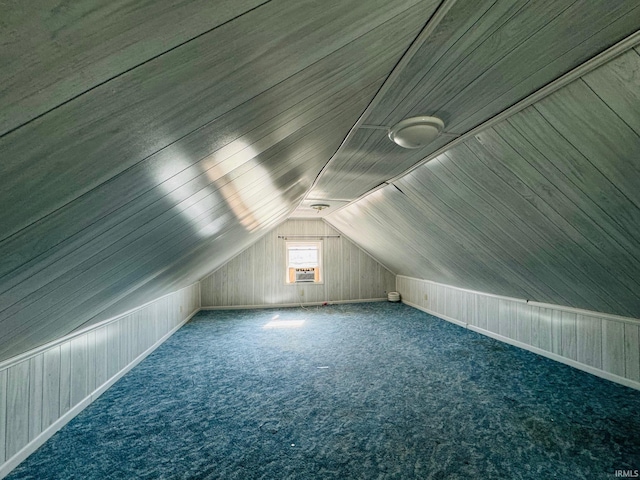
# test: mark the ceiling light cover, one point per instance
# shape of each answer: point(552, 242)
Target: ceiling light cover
point(416, 132)
point(320, 206)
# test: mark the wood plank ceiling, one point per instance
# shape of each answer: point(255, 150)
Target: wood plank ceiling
point(481, 58)
point(143, 144)
point(544, 205)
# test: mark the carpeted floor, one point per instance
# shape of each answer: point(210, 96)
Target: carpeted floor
point(370, 391)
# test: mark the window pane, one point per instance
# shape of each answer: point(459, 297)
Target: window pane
point(303, 257)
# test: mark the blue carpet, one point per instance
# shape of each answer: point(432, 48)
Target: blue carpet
point(370, 391)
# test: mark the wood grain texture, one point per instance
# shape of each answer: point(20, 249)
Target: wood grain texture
point(36, 381)
point(590, 339)
point(113, 359)
point(17, 407)
point(224, 181)
point(569, 348)
point(632, 351)
point(64, 50)
point(3, 415)
point(608, 142)
point(79, 367)
point(482, 58)
point(369, 159)
point(572, 173)
point(148, 246)
point(534, 207)
point(349, 272)
point(65, 377)
point(618, 85)
point(137, 110)
point(556, 336)
point(51, 387)
point(591, 226)
point(613, 355)
point(545, 338)
point(524, 324)
point(557, 221)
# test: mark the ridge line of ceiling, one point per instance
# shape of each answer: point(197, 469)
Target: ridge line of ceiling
point(417, 43)
point(587, 66)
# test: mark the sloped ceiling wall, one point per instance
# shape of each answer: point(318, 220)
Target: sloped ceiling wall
point(480, 58)
point(543, 206)
point(145, 143)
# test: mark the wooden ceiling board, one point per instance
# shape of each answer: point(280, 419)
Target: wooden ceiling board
point(572, 172)
point(282, 109)
point(482, 58)
point(176, 189)
point(618, 86)
point(186, 271)
point(429, 256)
point(352, 219)
point(412, 240)
point(444, 47)
point(53, 51)
point(573, 212)
point(462, 228)
point(565, 48)
point(257, 159)
point(370, 157)
point(539, 200)
point(165, 280)
point(154, 240)
point(85, 142)
point(87, 296)
point(456, 259)
point(509, 44)
point(598, 133)
point(565, 259)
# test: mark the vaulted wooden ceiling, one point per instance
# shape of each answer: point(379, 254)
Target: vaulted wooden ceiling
point(544, 205)
point(145, 143)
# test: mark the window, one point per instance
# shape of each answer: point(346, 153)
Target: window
point(304, 262)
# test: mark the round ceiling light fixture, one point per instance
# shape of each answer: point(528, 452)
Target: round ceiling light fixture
point(416, 132)
point(319, 206)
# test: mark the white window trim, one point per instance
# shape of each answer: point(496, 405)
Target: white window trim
point(320, 245)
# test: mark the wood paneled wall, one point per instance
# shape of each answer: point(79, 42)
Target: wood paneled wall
point(602, 344)
point(257, 275)
point(42, 390)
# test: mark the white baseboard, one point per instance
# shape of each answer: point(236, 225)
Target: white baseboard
point(288, 305)
point(558, 358)
point(45, 435)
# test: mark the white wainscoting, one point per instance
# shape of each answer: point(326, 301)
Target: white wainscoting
point(256, 277)
point(43, 389)
point(598, 343)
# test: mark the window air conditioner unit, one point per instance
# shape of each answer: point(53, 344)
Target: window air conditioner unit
point(305, 275)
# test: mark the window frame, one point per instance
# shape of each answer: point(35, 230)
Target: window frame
point(319, 244)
